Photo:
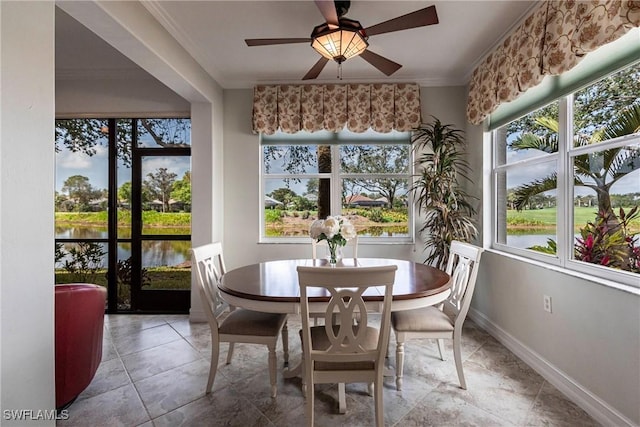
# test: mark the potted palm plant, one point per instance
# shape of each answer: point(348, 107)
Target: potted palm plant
point(447, 208)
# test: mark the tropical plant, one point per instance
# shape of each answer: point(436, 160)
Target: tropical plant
point(611, 247)
point(438, 191)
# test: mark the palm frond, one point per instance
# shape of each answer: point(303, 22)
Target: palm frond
point(525, 192)
point(627, 122)
point(529, 141)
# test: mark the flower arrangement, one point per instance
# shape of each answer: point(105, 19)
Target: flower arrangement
point(336, 230)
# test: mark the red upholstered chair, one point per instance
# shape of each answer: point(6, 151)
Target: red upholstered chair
point(79, 325)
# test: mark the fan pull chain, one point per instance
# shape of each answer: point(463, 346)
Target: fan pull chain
point(340, 71)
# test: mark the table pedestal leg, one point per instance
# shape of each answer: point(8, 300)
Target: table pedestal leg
point(296, 371)
point(342, 399)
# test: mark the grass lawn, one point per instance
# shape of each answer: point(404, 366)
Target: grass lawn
point(547, 217)
point(160, 278)
point(149, 218)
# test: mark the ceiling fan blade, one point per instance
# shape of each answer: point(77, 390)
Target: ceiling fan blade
point(267, 42)
point(328, 10)
point(383, 64)
point(419, 18)
point(316, 69)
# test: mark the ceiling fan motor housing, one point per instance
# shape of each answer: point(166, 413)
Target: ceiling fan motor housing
point(342, 7)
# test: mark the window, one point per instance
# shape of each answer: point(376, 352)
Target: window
point(567, 180)
point(123, 210)
point(366, 177)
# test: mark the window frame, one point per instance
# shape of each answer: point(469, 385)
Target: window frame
point(565, 191)
point(335, 140)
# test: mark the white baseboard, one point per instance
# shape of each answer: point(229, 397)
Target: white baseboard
point(592, 404)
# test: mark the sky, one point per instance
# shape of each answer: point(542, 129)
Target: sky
point(522, 175)
point(96, 167)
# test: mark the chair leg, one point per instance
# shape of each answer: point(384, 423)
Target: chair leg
point(215, 352)
point(399, 362)
point(273, 374)
point(304, 381)
point(310, 397)
point(230, 352)
point(441, 348)
point(378, 402)
point(457, 355)
point(285, 343)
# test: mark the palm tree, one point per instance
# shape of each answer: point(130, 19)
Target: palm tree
point(613, 164)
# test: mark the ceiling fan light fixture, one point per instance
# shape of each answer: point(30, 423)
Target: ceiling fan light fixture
point(341, 43)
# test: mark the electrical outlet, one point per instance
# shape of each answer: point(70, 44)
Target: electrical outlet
point(546, 303)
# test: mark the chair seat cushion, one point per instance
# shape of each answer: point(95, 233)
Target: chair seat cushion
point(320, 341)
point(422, 319)
point(248, 322)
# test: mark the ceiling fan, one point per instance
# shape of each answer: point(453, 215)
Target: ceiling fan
point(341, 38)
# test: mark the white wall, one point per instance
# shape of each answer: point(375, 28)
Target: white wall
point(26, 199)
point(588, 347)
point(131, 95)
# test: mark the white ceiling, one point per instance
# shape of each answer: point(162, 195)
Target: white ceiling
point(213, 32)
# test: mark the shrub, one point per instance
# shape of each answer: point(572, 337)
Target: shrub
point(272, 215)
point(83, 260)
point(376, 215)
point(608, 242)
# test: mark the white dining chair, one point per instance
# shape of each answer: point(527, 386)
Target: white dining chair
point(316, 248)
point(344, 352)
point(239, 325)
point(444, 321)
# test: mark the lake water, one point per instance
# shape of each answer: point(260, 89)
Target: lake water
point(528, 240)
point(154, 253)
point(173, 253)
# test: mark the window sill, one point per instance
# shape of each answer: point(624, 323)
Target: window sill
point(361, 241)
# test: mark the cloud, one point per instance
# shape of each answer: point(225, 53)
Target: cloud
point(70, 160)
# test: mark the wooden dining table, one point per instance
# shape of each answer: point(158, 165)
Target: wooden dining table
point(272, 286)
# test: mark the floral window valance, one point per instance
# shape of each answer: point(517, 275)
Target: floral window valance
point(293, 108)
point(551, 40)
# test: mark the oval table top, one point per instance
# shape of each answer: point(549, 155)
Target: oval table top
point(272, 286)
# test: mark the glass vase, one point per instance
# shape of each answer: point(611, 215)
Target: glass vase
point(334, 254)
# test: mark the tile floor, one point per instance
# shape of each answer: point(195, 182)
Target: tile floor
point(154, 370)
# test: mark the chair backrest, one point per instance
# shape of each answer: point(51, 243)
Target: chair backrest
point(209, 264)
point(352, 243)
point(462, 266)
point(345, 286)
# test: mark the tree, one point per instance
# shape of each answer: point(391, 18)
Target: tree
point(80, 191)
point(84, 135)
point(594, 106)
point(605, 110)
point(182, 190)
point(377, 159)
point(124, 193)
point(614, 164)
point(284, 195)
point(312, 186)
point(160, 185)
